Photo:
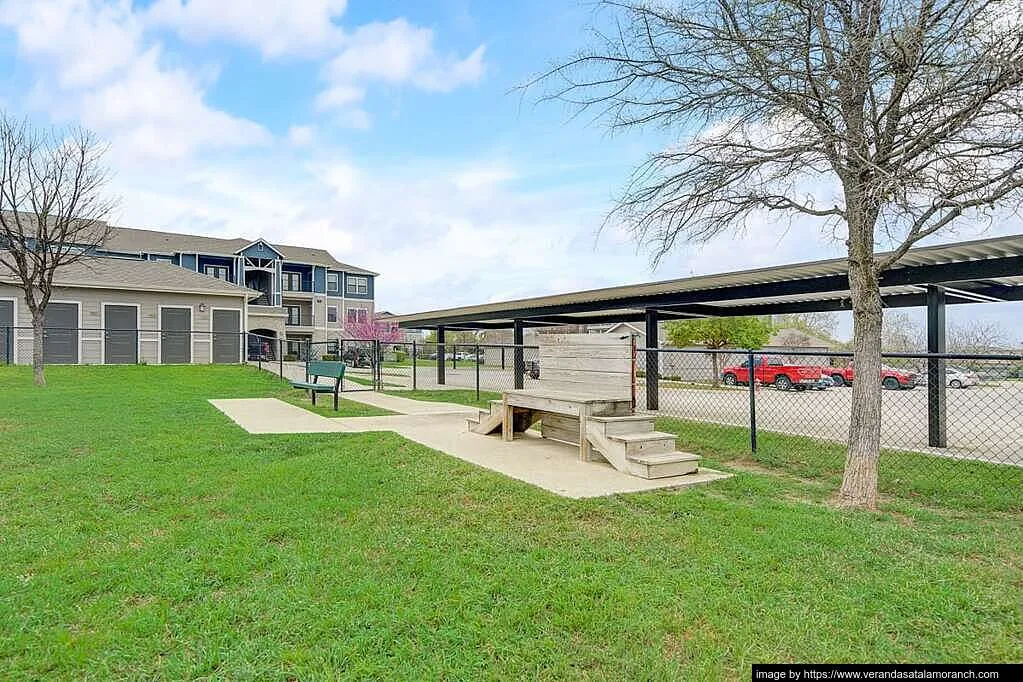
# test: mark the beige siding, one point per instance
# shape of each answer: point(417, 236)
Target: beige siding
point(91, 306)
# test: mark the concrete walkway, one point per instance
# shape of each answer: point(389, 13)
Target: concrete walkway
point(441, 426)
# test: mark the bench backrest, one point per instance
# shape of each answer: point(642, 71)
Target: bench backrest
point(326, 368)
point(587, 363)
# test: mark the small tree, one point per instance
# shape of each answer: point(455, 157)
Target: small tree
point(719, 332)
point(52, 211)
point(372, 329)
point(886, 121)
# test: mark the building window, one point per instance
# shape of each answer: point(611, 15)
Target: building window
point(293, 281)
point(332, 313)
point(294, 314)
point(355, 315)
point(358, 285)
point(218, 271)
point(332, 283)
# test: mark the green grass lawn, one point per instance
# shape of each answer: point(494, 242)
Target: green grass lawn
point(142, 534)
point(462, 396)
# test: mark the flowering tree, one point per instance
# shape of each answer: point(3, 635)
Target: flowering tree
point(374, 328)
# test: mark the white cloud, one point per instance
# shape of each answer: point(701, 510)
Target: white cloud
point(395, 53)
point(482, 176)
point(274, 27)
point(452, 72)
point(300, 136)
point(339, 97)
point(84, 41)
point(97, 68)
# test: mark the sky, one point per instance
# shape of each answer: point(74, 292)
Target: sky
point(393, 134)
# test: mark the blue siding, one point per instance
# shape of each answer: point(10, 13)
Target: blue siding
point(261, 249)
point(306, 271)
point(217, 260)
point(319, 279)
point(367, 296)
point(187, 260)
point(340, 283)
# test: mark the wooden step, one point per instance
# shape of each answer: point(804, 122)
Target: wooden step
point(647, 443)
point(637, 423)
point(666, 464)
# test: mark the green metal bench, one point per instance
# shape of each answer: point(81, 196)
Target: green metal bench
point(320, 368)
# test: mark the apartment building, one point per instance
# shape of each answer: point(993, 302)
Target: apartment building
point(147, 291)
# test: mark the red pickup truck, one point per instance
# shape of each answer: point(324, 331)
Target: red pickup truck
point(891, 378)
point(773, 371)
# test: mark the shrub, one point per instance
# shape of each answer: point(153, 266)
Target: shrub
point(330, 358)
point(291, 357)
point(400, 356)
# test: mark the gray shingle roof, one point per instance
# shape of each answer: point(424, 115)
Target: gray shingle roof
point(137, 275)
point(132, 240)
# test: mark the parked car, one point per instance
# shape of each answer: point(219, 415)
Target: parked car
point(957, 377)
point(775, 372)
point(891, 377)
point(823, 383)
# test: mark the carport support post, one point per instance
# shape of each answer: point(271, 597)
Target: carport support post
point(520, 362)
point(440, 355)
point(936, 412)
point(653, 370)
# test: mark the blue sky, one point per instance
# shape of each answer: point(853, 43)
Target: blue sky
point(388, 132)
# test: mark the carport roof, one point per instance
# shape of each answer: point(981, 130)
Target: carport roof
point(972, 271)
point(137, 275)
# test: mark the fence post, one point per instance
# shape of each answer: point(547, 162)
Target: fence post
point(454, 356)
point(752, 402)
point(414, 354)
point(9, 347)
point(477, 349)
point(379, 365)
point(519, 357)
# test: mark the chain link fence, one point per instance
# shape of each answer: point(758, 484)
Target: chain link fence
point(942, 415)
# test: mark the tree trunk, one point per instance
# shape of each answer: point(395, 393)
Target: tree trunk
point(715, 362)
point(37, 348)
point(859, 483)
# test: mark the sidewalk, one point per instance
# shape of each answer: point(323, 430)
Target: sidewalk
point(441, 426)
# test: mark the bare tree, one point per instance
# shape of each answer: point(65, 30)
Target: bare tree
point(887, 121)
point(52, 210)
point(901, 334)
point(976, 336)
point(821, 325)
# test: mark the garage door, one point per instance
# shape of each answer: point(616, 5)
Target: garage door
point(227, 338)
point(121, 338)
point(60, 334)
point(6, 331)
point(175, 335)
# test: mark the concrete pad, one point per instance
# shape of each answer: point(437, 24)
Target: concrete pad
point(544, 463)
point(407, 405)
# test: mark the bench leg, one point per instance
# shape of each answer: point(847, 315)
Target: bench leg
point(335, 402)
point(508, 423)
point(313, 394)
point(584, 442)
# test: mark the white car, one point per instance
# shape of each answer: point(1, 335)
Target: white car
point(957, 377)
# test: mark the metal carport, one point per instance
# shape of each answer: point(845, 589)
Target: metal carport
point(984, 270)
